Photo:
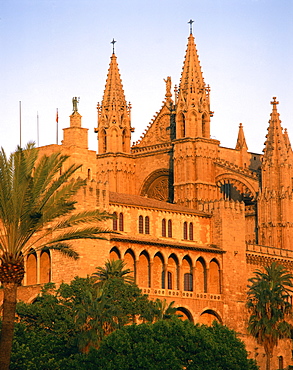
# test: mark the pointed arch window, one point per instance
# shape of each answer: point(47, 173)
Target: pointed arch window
point(31, 268)
point(115, 223)
point(164, 227)
point(45, 267)
point(147, 225)
point(104, 140)
point(170, 280)
point(121, 222)
point(140, 224)
point(191, 231)
point(169, 228)
point(185, 230)
point(124, 141)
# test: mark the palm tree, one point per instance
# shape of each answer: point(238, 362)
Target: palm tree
point(36, 211)
point(112, 269)
point(163, 310)
point(269, 307)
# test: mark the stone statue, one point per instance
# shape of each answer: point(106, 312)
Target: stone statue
point(75, 101)
point(168, 86)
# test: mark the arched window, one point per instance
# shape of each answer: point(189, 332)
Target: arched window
point(169, 228)
point(185, 230)
point(115, 227)
point(115, 254)
point(89, 174)
point(281, 363)
point(191, 231)
point(143, 273)
point(121, 222)
point(214, 278)
point(45, 267)
point(104, 140)
point(124, 141)
point(201, 276)
point(164, 227)
point(158, 276)
point(31, 268)
point(147, 225)
point(170, 280)
point(188, 282)
point(181, 124)
point(140, 224)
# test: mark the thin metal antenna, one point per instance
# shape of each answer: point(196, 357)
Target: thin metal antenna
point(113, 42)
point(38, 143)
point(20, 124)
point(57, 119)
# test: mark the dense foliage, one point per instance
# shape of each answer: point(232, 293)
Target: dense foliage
point(172, 345)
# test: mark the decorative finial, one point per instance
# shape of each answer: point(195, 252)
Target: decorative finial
point(75, 101)
point(113, 42)
point(190, 23)
point(274, 102)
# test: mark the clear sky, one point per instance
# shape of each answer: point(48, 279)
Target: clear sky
point(53, 50)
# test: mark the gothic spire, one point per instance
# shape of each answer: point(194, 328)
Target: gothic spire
point(275, 150)
point(114, 129)
point(241, 142)
point(192, 81)
point(114, 98)
point(193, 103)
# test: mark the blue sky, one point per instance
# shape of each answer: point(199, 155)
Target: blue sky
point(52, 50)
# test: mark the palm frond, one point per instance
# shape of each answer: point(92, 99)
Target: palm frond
point(64, 248)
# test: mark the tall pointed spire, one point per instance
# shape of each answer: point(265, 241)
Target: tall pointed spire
point(114, 128)
point(193, 106)
point(275, 150)
point(275, 200)
point(241, 142)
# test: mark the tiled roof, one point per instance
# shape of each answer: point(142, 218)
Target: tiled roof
point(165, 243)
point(139, 201)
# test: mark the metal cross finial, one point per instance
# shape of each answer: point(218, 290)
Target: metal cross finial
point(190, 22)
point(113, 42)
point(274, 102)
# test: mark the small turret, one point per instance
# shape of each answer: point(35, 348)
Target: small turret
point(75, 135)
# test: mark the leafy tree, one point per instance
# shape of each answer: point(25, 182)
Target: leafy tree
point(36, 202)
point(163, 311)
point(112, 269)
point(171, 345)
point(80, 315)
point(270, 307)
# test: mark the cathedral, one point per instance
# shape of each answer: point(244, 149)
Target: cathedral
point(194, 219)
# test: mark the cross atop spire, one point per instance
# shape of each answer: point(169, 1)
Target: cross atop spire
point(274, 102)
point(113, 42)
point(190, 23)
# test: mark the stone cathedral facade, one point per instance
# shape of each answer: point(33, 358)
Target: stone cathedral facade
point(195, 219)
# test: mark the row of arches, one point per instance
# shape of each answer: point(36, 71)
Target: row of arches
point(113, 139)
point(172, 273)
point(199, 125)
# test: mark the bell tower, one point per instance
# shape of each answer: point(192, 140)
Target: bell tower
point(194, 150)
point(114, 127)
